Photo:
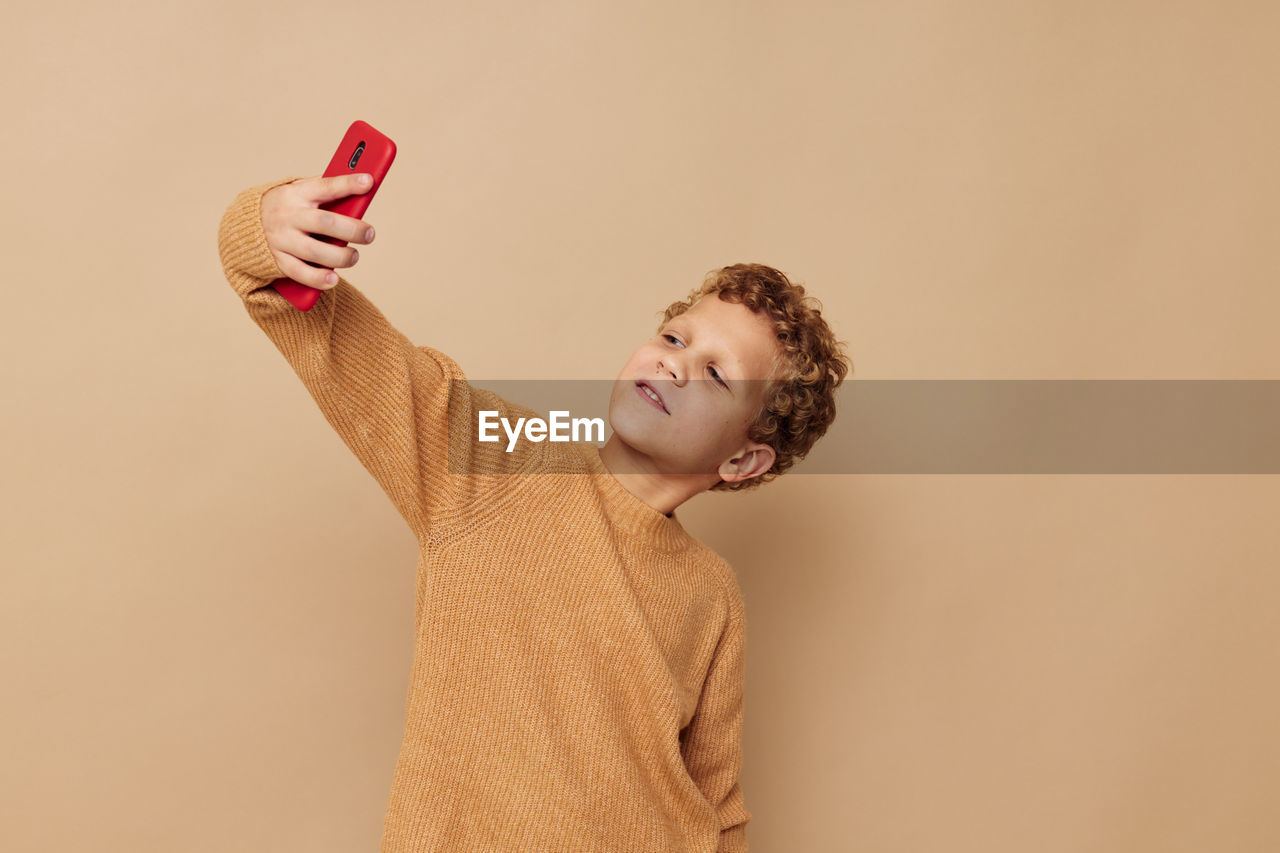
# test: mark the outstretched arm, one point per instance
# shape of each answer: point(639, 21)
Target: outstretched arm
point(395, 405)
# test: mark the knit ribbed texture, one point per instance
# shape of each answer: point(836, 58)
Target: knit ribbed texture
point(577, 680)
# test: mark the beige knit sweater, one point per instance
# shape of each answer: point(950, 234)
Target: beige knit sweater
point(577, 678)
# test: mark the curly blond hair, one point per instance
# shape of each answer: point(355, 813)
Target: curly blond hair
point(799, 406)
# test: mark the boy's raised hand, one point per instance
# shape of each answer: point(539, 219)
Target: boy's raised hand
point(291, 214)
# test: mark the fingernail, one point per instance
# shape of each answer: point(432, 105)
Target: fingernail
point(330, 278)
point(368, 235)
point(364, 179)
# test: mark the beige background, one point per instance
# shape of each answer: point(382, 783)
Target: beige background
point(207, 602)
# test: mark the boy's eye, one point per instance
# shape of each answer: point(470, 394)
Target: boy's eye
point(714, 373)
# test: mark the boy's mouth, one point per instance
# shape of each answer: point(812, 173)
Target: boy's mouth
point(649, 393)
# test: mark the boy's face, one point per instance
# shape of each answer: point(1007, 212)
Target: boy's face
point(709, 365)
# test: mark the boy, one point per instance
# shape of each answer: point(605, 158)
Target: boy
point(577, 679)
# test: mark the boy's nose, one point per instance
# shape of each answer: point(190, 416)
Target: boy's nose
point(671, 366)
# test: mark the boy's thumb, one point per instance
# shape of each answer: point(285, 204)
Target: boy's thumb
point(341, 186)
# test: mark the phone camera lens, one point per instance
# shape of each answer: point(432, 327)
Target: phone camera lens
point(355, 158)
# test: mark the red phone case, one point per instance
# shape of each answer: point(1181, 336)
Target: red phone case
point(363, 149)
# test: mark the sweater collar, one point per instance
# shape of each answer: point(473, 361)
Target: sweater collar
point(662, 532)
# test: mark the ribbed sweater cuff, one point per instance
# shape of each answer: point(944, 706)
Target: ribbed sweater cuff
point(246, 259)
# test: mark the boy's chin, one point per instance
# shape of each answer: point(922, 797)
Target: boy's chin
point(636, 426)
point(654, 456)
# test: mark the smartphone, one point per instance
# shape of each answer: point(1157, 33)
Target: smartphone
point(363, 149)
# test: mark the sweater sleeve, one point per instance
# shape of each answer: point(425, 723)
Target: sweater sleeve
point(712, 742)
point(401, 409)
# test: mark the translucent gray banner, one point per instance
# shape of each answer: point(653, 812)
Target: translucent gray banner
point(947, 426)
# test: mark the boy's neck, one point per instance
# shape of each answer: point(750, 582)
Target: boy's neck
point(663, 492)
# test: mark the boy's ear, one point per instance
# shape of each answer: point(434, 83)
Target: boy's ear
point(752, 461)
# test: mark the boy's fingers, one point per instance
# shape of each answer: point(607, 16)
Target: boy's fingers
point(304, 273)
point(313, 220)
point(310, 249)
